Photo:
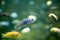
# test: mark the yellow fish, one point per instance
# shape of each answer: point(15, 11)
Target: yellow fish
point(54, 29)
point(12, 34)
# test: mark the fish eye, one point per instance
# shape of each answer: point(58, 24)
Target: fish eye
point(32, 19)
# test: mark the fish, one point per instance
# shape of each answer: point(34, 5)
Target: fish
point(49, 3)
point(53, 17)
point(31, 19)
point(54, 29)
point(11, 34)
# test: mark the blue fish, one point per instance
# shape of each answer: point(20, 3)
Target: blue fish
point(31, 19)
